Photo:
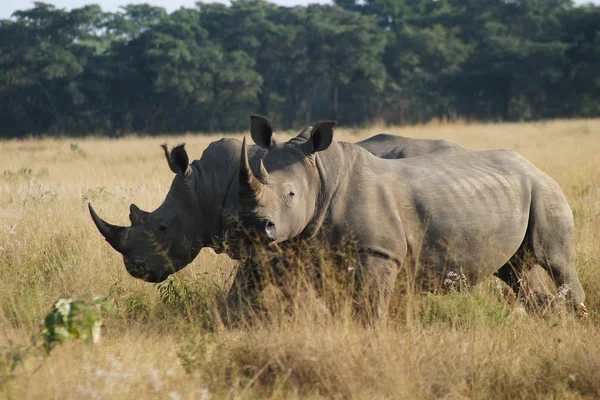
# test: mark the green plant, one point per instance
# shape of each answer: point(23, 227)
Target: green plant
point(79, 318)
point(188, 299)
point(462, 309)
point(137, 306)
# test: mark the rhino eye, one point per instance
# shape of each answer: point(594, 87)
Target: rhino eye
point(162, 228)
point(292, 194)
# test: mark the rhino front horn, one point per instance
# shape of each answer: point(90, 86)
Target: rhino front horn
point(248, 182)
point(112, 233)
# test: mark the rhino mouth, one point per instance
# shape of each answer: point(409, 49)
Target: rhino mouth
point(141, 269)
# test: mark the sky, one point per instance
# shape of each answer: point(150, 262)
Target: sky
point(7, 7)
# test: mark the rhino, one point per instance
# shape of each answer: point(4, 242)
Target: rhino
point(464, 216)
point(201, 206)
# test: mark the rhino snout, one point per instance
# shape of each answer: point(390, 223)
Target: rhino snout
point(138, 268)
point(264, 228)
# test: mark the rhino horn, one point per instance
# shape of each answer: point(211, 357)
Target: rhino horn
point(137, 216)
point(248, 182)
point(263, 175)
point(112, 233)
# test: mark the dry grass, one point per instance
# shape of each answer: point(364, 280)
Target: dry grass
point(473, 345)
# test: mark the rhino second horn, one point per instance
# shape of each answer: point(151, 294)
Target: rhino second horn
point(247, 180)
point(137, 216)
point(112, 233)
point(263, 175)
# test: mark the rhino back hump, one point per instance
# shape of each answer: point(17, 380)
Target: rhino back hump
point(393, 146)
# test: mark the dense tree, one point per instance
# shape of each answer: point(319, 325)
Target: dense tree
point(344, 48)
point(580, 84)
point(42, 54)
point(206, 68)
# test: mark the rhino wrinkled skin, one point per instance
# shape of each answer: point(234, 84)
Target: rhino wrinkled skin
point(466, 215)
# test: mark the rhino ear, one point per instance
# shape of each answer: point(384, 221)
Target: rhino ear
point(261, 131)
point(168, 157)
point(321, 136)
point(178, 159)
point(181, 160)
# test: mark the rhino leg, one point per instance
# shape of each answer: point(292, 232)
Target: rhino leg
point(551, 233)
point(244, 291)
point(513, 272)
point(567, 282)
point(376, 280)
point(509, 275)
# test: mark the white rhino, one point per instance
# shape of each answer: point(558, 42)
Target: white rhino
point(466, 215)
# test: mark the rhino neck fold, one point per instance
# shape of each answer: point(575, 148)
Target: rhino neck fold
point(226, 213)
point(218, 187)
point(331, 165)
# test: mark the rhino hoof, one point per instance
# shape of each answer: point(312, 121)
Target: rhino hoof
point(581, 310)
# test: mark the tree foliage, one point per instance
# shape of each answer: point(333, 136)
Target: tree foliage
point(206, 68)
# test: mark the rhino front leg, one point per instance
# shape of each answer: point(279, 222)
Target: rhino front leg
point(376, 280)
point(243, 295)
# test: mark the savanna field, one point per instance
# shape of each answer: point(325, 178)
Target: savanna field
point(166, 341)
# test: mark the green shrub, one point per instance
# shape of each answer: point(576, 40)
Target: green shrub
point(187, 299)
point(79, 318)
point(462, 309)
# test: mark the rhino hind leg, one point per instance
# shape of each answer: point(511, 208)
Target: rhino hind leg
point(512, 277)
point(552, 243)
point(567, 283)
point(376, 281)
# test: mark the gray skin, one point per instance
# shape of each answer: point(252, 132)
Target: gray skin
point(388, 146)
point(200, 210)
point(460, 217)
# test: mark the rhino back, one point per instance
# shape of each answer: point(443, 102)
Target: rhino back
point(389, 146)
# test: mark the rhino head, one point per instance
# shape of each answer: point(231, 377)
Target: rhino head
point(164, 241)
point(278, 202)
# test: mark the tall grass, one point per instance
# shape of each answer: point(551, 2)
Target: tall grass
point(168, 341)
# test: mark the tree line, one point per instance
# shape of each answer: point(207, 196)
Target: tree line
point(206, 68)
